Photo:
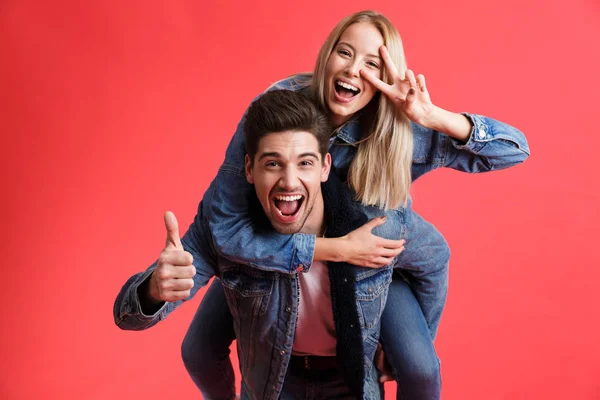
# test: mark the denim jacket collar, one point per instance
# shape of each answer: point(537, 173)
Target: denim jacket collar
point(349, 132)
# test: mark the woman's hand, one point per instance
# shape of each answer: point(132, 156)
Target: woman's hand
point(360, 247)
point(408, 93)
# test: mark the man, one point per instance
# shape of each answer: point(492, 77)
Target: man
point(295, 331)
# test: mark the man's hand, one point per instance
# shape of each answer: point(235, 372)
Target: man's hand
point(172, 279)
point(364, 249)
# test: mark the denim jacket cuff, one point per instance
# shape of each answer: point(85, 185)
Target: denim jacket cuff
point(136, 305)
point(479, 136)
point(304, 250)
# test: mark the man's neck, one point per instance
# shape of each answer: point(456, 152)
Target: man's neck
point(315, 223)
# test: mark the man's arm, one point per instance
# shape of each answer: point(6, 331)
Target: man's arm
point(149, 297)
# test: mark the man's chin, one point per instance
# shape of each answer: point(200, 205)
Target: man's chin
point(287, 229)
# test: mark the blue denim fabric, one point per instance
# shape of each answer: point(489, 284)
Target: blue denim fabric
point(264, 307)
point(407, 346)
point(298, 387)
point(404, 334)
point(205, 350)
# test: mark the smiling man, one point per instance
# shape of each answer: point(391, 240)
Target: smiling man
point(299, 332)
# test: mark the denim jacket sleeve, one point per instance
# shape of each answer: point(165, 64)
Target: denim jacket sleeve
point(492, 145)
point(227, 210)
point(127, 310)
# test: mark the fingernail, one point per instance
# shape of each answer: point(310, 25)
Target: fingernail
point(383, 218)
point(411, 91)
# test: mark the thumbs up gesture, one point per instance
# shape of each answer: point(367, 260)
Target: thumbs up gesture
point(172, 279)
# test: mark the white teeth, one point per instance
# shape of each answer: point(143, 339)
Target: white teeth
point(347, 86)
point(288, 198)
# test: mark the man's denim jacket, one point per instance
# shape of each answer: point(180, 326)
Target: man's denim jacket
point(264, 304)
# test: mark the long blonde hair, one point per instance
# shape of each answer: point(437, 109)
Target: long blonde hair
point(380, 172)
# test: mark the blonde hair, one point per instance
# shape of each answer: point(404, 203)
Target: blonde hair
point(380, 172)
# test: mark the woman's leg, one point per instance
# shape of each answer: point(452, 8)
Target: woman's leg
point(205, 348)
point(408, 346)
point(424, 262)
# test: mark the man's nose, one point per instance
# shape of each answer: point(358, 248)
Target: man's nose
point(289, 179)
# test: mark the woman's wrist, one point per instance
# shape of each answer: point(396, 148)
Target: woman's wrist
point(455, 125)
point(329, 249)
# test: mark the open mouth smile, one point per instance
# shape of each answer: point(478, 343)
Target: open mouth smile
point(344, 91)
point(288, 206)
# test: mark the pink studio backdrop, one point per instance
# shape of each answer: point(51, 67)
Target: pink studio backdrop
point(114, 111)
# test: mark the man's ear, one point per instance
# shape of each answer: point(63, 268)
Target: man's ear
point(249, 176)
point(326, 167)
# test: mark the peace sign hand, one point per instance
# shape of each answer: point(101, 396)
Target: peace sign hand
point(408, 93)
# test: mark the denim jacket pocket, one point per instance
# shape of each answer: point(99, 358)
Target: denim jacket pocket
point(371, 295)
point(247, 290)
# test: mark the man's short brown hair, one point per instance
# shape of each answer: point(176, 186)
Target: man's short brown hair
point(284, 110)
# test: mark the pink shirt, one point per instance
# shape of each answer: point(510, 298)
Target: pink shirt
point(315, 331)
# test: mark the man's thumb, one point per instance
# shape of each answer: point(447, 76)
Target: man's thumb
point(173, 239)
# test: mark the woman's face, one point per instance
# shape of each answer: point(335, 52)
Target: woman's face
point(346, 92)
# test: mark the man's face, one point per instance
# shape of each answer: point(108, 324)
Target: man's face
point(287, 173)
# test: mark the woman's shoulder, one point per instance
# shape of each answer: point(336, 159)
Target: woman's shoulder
point(295, 82)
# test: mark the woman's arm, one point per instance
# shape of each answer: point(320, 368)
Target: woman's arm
point(466, 142)
point(226, 208)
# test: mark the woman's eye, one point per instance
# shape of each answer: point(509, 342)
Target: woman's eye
point(345, 53)
point(373, 64)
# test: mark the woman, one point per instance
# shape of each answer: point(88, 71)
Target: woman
point(387, 134)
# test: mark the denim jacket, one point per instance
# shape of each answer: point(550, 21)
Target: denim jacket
point(492, 145)
point(264, 304)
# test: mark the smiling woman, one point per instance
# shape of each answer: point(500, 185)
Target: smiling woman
point(356, 48)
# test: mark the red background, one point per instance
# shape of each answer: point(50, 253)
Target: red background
point(113, 112)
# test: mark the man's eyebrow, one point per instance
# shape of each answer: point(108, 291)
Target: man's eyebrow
point(275, 154)
point(309, 154)
point(269, 154)
point(351, 47)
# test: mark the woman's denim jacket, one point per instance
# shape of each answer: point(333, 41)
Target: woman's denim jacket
point(492, 145)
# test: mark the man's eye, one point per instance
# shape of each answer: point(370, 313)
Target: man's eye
point(306, 163)
point(271, 164)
